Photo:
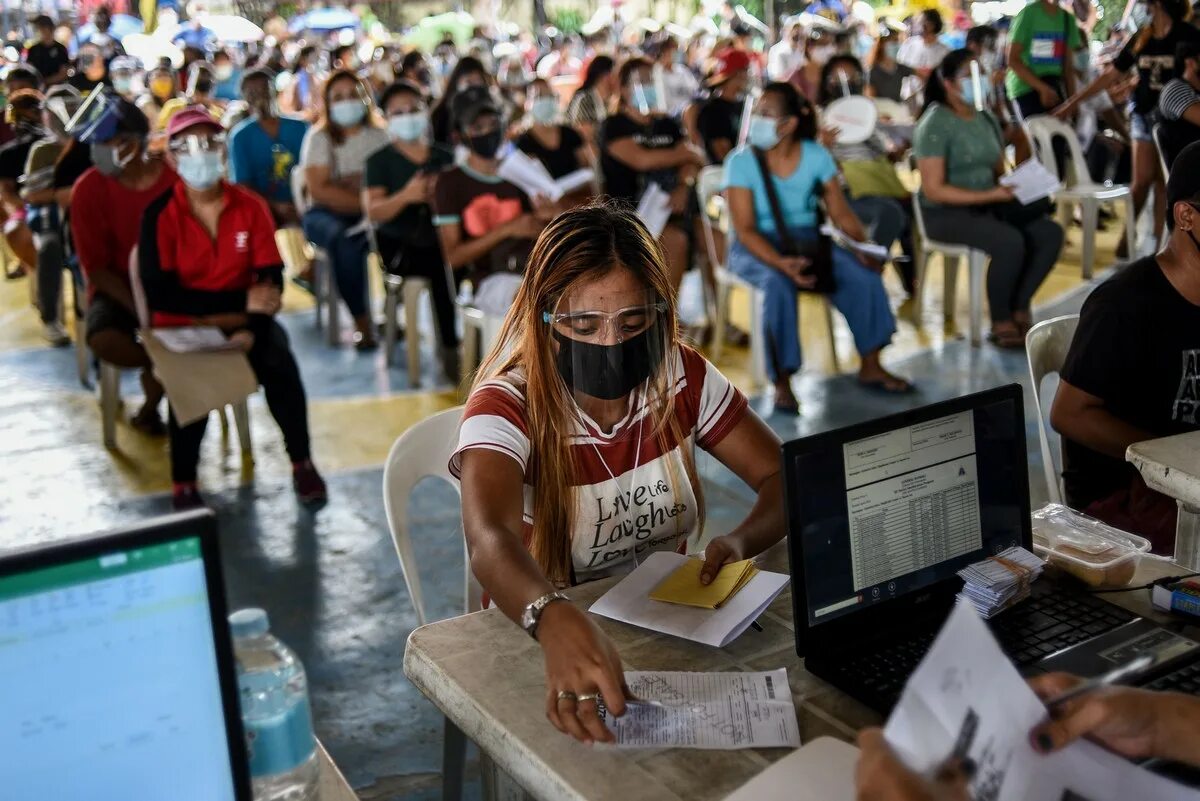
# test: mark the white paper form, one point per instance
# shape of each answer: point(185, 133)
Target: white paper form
point(192, 338)
point(1031, 181)
point(629, 602)
point(966, 698)
point(655, 209)
point(912, 498)
point(719, 711)
point(531, 177)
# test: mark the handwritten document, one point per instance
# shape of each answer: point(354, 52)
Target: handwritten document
point(719, 711)
point(967, 699)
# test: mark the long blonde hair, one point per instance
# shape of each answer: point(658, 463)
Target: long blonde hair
point(581, 245)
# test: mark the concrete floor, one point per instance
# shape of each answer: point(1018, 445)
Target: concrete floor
point(331, 580)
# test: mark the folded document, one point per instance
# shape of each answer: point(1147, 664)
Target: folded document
point(684, 587)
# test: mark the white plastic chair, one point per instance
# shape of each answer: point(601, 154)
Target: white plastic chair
point(708, 187)
point(1080, 188)
point(110, 381)
point(325, 289)
point(397, 289)
point(1046, 345)
point(480, 332)
point(952, 254)
point(424, 451)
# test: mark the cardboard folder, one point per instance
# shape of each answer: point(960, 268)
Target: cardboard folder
point(201, 381)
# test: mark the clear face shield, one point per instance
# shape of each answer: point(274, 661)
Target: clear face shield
point(645, 95)
point(608, 343)
point(199, 157)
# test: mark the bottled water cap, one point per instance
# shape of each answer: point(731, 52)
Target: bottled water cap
point(249, 623)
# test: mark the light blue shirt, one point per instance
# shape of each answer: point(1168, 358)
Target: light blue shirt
point(798, 193)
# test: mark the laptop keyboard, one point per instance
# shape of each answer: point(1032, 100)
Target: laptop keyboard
point(1184, 680)
point(1046, 623)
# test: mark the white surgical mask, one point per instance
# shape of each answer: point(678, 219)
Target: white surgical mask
point(200, 170)
point(408, 127)
point(347, 113)
point(544, 110)
point(224, 72)
point(967, 87)
point(822, 54)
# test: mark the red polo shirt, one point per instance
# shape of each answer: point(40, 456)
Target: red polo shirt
point(188, 273)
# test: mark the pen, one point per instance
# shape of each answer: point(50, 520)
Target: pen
point(1134, 666)
point(754, 624)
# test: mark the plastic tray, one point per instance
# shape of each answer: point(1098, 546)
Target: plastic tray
point(1094, 552)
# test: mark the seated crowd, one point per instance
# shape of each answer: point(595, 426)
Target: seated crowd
point(365, 150)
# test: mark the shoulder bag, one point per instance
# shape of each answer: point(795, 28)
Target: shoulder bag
point(820, 252)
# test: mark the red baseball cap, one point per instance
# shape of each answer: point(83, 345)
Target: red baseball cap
point(729, 62)
point(191, 117)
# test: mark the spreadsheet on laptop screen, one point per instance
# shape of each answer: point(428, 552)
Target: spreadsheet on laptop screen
point(109, 682)
point(884, 512)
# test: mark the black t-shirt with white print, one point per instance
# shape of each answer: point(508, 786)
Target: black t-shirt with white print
point(1155, 60)
point(622, 181)
point(1138, 349)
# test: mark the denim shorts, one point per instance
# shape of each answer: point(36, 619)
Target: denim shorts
point(1141, 125)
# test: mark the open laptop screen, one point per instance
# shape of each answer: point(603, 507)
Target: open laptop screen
point(109, 679)
point(887, 508)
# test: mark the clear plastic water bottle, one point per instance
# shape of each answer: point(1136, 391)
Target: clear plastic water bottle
point(274, 695)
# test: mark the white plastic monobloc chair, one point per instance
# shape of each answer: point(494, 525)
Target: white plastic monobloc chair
point(110, 381)
point(325, 291)
point(424, 451)
point(1046, 345)
point(408, 290)
point(952, 254)
point(708, 187)
point(1081, 189)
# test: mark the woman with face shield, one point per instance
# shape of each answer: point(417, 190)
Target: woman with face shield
point(960, 153)
point(886, 75)
point(207, 256)
point(775, 252)
point(818, 49)
point(558, 146)
point(639, 146)
point(107, 205)
point(43, 215)
point(125, 74)
point(576, 453)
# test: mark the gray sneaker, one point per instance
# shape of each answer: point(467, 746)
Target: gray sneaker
point(55, 334)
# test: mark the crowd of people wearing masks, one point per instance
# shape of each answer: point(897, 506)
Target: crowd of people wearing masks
point(193, 168)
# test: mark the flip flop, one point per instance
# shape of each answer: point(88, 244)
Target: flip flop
point(881, 386)
point(1010, 341)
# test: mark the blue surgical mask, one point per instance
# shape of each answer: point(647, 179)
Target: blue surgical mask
point(122, 84)
point(891, 49)
point(544, 110)
point(967, 87)
point(347, 113)
point(200, 170)
point(408, 127)
point(764, 132)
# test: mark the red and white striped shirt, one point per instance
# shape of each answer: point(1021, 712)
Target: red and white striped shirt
point(631, 498)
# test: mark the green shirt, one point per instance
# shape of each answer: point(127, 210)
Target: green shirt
point(971, 147)
point(1046, 39)
point(388, 169)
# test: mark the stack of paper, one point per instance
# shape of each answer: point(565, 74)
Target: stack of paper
point(871, 250)
point(684, 587)
point(655, 209)
point(1031, 181)
point(193, 338)
point(706, 710)
point(629, 601)
point(1001, 581)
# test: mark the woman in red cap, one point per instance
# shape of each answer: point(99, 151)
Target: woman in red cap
point(207, 256)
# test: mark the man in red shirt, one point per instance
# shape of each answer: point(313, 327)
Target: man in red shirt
point(207, 256)
point(107, 204)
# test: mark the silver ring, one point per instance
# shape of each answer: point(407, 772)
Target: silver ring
point(567, 695)
point(587, 697)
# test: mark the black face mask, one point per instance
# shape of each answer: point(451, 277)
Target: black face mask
point(486, 145)
point(608, 372)
point(203, 87)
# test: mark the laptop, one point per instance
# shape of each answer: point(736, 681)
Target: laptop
point(881, 517)
point(116, 669)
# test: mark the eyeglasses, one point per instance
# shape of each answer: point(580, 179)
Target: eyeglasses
point(621, 324)
point(196, 144)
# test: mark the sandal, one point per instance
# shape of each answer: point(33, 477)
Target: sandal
point(887, 387)
point(149, 422)
point(1008, 340)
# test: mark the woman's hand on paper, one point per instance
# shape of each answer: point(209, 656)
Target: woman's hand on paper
point(881, 776)
point(580, 660)
point(721, 551)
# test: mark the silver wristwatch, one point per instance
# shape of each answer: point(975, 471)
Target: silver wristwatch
point(533, 613)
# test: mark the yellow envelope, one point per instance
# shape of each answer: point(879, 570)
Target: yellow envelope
point(683, 585)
